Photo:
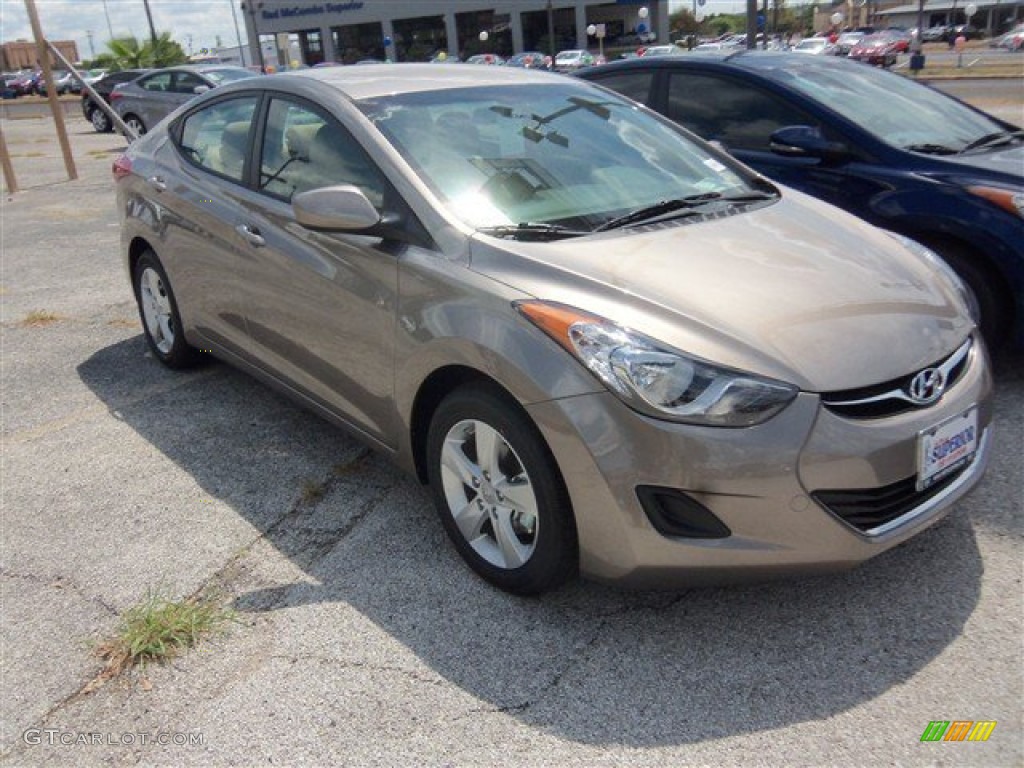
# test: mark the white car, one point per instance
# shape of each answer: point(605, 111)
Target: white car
point(815, 45)
point(570, 61)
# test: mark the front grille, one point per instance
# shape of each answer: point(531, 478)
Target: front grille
point(891, 397)
point(871, 508)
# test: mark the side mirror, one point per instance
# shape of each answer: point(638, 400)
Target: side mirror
point(200, 89)
point(342, 208)
point(806, 141)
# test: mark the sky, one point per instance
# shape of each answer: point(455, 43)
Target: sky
point(203, 20)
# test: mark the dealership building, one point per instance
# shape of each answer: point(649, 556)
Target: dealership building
point(415, 30)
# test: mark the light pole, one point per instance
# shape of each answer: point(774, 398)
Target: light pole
point(106, 12)
point(250, 6)
point(597, 30)
point(551, 30)
point(238, 35)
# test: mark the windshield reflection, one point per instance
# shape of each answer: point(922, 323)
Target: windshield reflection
point(561, 154)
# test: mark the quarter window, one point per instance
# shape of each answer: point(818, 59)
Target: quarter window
point(303, 150)
point(739, 115)
point(632, 85)
point(217, 137)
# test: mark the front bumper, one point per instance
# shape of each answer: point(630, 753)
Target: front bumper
point(758, 481)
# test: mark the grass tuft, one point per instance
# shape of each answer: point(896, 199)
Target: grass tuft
point(158, 629)
point(40, 317)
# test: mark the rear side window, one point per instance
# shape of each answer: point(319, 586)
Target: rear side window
point(632, 85)
point(158, 82)
point(216, 137)
point(740, 115)
point(303, 150)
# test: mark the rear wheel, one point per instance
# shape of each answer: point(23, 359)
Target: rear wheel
point(135, 123)
point(159, 312)
point(498, 492)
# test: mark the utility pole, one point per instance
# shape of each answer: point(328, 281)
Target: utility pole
point(149, 17)
point(752, 24)
point(92, 48)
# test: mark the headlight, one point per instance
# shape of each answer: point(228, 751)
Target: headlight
point(942, 267)
point(658, 381)
point(1010, 200)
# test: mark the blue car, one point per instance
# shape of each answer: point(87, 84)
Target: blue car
point(897, 153)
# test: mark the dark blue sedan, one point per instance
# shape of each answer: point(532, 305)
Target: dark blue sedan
point(893, 151)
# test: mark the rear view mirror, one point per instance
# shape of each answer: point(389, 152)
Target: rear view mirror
point(342, 208)
point(805, 141)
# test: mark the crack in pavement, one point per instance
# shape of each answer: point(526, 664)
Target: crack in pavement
point(59, 582)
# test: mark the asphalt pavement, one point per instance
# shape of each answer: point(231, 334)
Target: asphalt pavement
point(361, 638)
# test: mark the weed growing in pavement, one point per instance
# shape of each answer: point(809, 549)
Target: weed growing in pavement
point(39, 317)
point(159, 628)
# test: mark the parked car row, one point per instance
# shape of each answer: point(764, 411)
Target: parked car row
point(606, 345)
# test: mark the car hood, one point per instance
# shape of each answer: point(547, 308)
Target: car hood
point(1007, 162)
point(797, 290)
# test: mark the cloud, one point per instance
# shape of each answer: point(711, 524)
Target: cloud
point(204, 20)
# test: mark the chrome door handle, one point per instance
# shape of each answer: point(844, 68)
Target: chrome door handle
point(157, 183)
point(252, 235)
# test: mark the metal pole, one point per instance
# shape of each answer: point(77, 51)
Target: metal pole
point(238, 35)
point(752, 24)
point(551, 30)
point(250, 6)
point(51, 89)
point(152, 29)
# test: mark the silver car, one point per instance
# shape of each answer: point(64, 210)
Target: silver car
point(604, 345)
point(144, 102)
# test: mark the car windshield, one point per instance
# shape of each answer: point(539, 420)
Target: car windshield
point(227, 75)
point(880, 102)
point(558, 153)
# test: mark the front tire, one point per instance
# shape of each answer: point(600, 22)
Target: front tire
point(135, 123)
point(159, 313)
point(498, 492)
point(100, 121)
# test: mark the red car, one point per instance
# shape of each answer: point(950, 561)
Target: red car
point(879, 49)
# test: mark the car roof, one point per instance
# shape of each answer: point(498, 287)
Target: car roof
point(374, 80)
point(768, 64)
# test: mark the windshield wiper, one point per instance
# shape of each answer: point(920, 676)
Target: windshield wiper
point(993, 140)
point(529, 230)
point(681, 206)
point(931, 149)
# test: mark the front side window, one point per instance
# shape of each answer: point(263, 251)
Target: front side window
point(216, 137)
point(303, 149)
point(740, 115)
point(562, 153)
point(896, 110)
point(186, 82)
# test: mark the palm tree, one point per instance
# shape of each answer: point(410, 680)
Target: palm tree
point(130, 54)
